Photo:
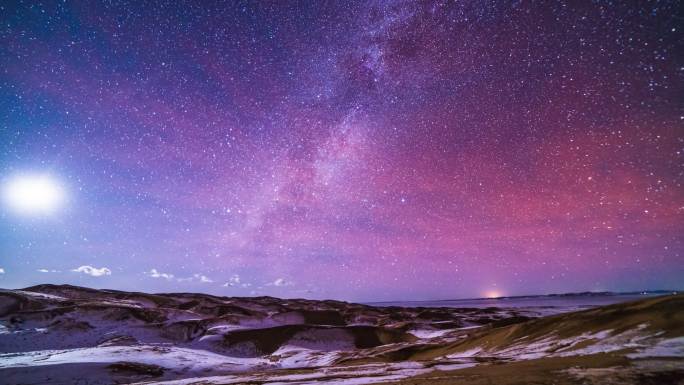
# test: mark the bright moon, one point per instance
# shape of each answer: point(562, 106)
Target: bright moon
point(33, 194)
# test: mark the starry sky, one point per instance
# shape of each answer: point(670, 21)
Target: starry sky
point(382, 150)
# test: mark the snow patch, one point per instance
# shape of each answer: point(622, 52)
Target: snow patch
point(672, 347)
point(426, 334)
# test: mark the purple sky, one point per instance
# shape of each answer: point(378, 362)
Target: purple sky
point(359, 151)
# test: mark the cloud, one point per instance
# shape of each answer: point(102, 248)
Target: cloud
point(2, 271)
point(234, 280)
point(93, 271)
point(281, 282)
point(156, 274)
point(196, 277)
point(203, 278)
point(48, 271)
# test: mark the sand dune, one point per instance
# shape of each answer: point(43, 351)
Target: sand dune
point(109, 336)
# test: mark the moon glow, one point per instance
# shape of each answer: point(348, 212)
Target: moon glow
point(33, 194)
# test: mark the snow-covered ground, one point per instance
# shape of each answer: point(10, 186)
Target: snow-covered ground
point(62, 334)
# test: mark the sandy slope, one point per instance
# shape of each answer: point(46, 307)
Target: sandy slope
point(65, 334)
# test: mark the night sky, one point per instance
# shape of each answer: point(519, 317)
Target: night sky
point(358, 151)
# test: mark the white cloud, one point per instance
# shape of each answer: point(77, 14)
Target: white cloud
point(234, 280)
point(196, 277)
point(203, 278)
point(2, 271)
point(48, 271)
point(281, 282)
point(93, 271)
point(157, 274)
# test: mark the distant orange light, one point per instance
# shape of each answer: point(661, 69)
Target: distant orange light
point(493, 294)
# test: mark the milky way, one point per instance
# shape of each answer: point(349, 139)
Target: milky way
point(359, 151)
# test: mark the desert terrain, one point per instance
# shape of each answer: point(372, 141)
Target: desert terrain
point(61, 334)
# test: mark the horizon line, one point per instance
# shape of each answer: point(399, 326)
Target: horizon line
point(608, 292)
